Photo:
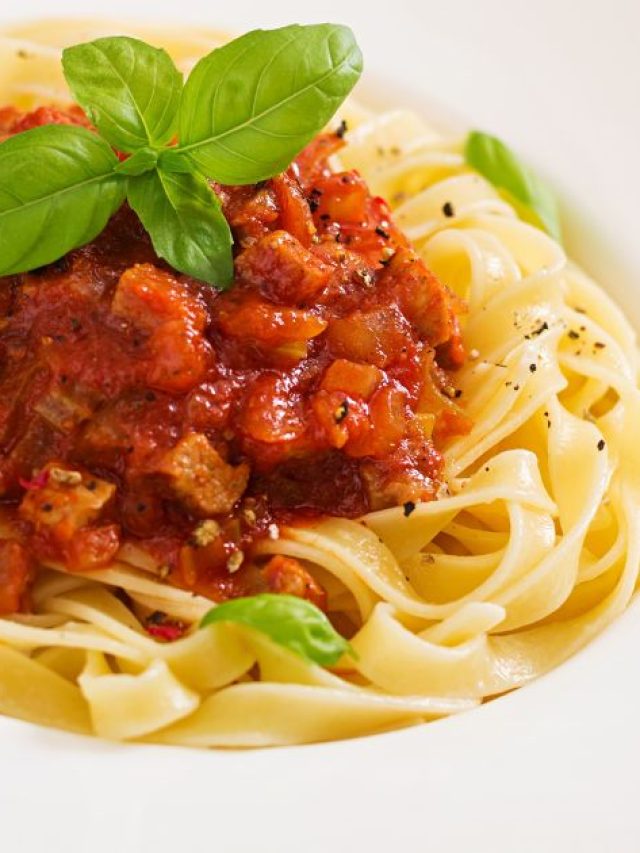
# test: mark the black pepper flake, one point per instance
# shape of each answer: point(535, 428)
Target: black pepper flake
point(141, 507)
point(91, 485)
point(458, 393)
point(533, 368)
point(516, 387)
point(156, 618)
point(150, 397)
point(345, 179)
point(407, 508)
point(325, 217)
point(542, 328)
point(447, 209)
point(22, 54)
point(341, 412)
point(382, 233)
point(314, 204)
point(46, 507)
point(342, 129)
point(573, 334)
point(601, 444)
point(599, 345)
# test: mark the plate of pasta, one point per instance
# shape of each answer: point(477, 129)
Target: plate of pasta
point(312, 431)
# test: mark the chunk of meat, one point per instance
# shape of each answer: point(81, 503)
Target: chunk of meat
point(287, 576)
point(64, 409)
point(427, 303)
point(200, 478)
point(283, 269)
point(16, 573)
point(68, 501)
point(380, 336)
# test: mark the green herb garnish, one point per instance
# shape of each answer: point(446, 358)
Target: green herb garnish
point(245, 112)
point(495, 161)
point(289, 621)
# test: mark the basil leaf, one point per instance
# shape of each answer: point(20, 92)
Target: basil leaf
point(143, 160)
point(289, 621)
point(499, 165)
point(249, 107)
point(129, 90)
point(57, 192)
point(187, 227)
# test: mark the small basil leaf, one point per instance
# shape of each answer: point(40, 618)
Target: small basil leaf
point(57, 191)
point(289, 621)
point(143, 160)
point(185, 222)
point(249, 107)
point(495, 161)
point(129, 90)
point(173, 160)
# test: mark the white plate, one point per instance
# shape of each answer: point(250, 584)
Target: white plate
point(553, 767)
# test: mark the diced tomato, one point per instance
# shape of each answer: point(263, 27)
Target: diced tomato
point(295, 215)
point(356, 379)
point(257, 320)
point(286, 575)
point(270, 413)
point(149, 297)
point(16, 574)
point(179, 357)
point(343, 198)
point(387, 424)
point(50, 115)
point(311, 164)
point(92, 548)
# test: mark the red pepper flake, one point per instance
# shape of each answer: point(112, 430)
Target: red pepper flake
point(160, 627)
point(38, 482)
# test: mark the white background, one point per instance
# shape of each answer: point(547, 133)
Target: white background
point(555, 767)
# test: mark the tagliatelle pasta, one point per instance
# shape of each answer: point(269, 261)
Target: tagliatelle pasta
point(530, 550)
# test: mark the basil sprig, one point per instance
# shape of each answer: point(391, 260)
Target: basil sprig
point(289, 621)
point(246, 111)
point(495, 161)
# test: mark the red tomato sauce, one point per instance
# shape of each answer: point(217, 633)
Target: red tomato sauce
point(138, 405)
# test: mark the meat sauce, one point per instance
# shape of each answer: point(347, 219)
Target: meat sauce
point(138, 405)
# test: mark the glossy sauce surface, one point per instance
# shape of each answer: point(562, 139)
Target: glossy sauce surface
point(140, 406)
